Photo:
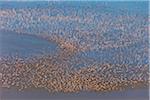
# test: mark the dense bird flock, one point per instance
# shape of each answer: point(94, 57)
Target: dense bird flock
point(78, 31)
point(58, 75)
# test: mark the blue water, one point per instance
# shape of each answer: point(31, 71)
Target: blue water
point(137, 94)
point(132, 6)
point(24, 45)
point(17, 5)
point(37, 46)
point(122, 55)
point(28, 45)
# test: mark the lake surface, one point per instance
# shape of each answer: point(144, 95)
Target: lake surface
point(136, 94)
point(28, 45)
point(24, 45)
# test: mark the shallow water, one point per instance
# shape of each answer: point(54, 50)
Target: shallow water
point(136, 94)
point(24, 45)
